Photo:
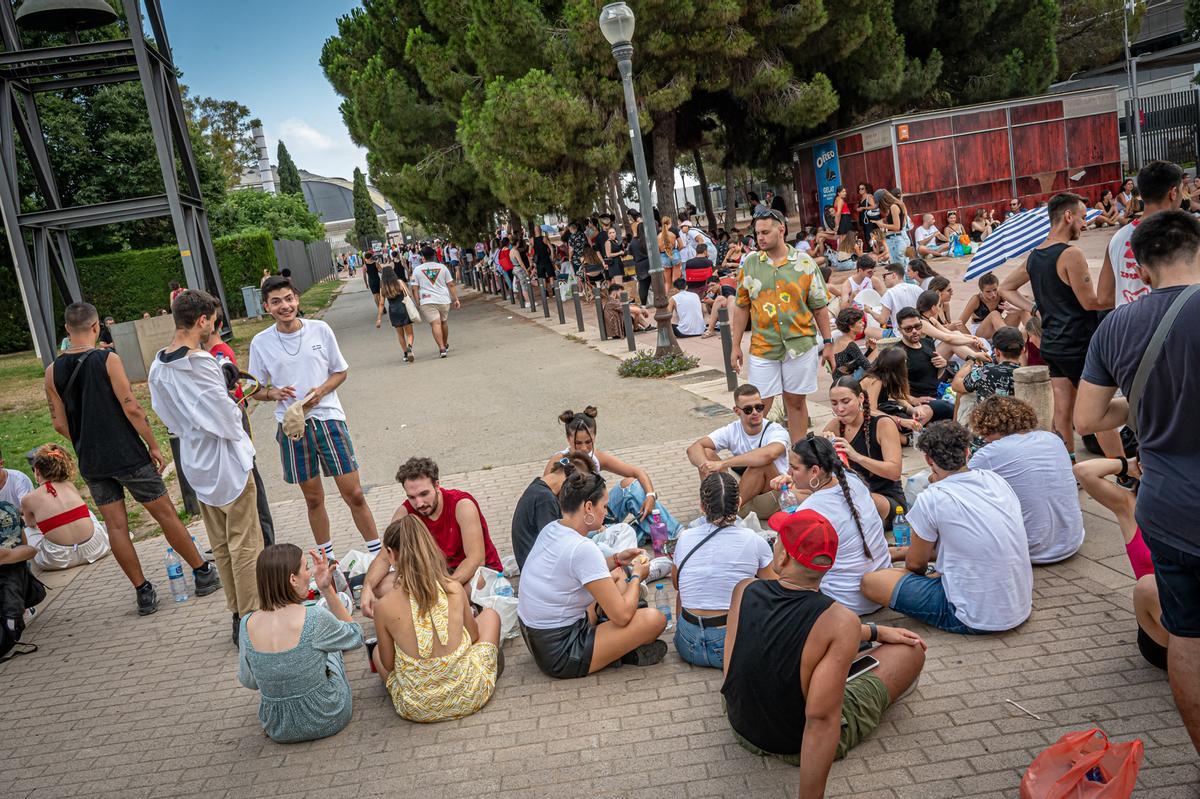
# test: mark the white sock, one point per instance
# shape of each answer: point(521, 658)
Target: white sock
point(374, 545)
point(327, 548)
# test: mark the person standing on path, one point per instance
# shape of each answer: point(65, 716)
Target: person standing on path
point(371, 273)
point(299, 360)
point(437, 294)
point(393, 289)
point(92, 404)
point(781, 296)
point(1067, 303)
point(189, 393)
point(1161, 185)
point(1166, 247)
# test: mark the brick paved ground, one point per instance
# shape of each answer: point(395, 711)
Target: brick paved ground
point(115, 705)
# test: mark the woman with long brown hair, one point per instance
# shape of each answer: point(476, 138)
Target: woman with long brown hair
point(392, 289)
point(892, 214)
point(437, 660)
point(292, 652)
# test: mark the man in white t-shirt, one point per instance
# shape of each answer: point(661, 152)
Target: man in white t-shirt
point(687, 311)
point(930, 241)
point(13, 485)
point(437, 293)
point(983, 581)
point(299, 360)
point(898, 295)
point(1161, 186)
point(759, 449)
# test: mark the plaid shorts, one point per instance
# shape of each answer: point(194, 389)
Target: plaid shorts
point(325, 449)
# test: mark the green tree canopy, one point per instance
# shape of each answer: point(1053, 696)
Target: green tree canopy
point(284, 216)
point(289, 176)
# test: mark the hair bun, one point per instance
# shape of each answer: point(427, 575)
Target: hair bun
point(566, 416)
point(590, 411)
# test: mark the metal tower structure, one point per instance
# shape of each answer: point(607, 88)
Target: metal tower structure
point(40, 240)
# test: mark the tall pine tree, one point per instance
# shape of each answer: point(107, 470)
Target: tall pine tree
point(289, 176)
point(366, 224)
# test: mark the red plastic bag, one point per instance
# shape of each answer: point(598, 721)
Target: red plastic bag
point(1083, 765)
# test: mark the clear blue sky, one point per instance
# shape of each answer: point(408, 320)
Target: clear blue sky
point(264, 54)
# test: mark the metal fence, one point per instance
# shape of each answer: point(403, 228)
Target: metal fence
point(309, 263)
point(1170, 126)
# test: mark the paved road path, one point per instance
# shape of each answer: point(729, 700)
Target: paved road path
point(116, 705)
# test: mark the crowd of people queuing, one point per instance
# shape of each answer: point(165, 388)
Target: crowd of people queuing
point(782, 608)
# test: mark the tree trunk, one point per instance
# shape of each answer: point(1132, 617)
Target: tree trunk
point(730, 200)
point(614, 183)
point(664, 163)
point(705, 195)
point(514, 224)
point(620, 221)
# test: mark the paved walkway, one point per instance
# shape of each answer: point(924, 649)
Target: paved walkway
point(116, 705)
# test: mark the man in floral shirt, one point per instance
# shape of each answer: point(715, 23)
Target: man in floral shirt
point(782, 295)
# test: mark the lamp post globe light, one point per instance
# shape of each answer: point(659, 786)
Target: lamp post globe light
point(617, 23)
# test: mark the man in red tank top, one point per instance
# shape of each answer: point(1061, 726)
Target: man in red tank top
point(453, 518)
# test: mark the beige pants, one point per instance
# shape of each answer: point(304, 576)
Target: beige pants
point(236, 539)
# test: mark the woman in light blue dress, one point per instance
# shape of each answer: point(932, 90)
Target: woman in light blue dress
point(292, 652)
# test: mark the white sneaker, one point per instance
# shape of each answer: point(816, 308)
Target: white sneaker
point(659, 569)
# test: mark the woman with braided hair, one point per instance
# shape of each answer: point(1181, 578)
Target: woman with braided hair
point(871, 443)
point(718, 554)
point(818, 478)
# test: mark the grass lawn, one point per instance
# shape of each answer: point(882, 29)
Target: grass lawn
point(25, 417)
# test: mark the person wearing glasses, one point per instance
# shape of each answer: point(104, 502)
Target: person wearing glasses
point(758, 450)
point(1014, 208)
point(924, 366)
point(538, 506)
point(782, 298)
point(567, 584)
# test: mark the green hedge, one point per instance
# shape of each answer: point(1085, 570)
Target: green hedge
point(124, 285)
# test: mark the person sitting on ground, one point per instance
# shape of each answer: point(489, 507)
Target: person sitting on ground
point(614, 317)
point(924, 363)
point(947, 342)
point(863, 278)
point(1093, 475)
point(931, 242)
point(292, 652)
point(819, 480)
point(454, 520)
point(986, 313)
point(718, 555)
point(993, 379)
point(898, 294)
point(981, 225)
point(920, 273)
point(538, 505)
point(1036, 465)
point(14, 485)
point(1109, 215)
point(687, 312)
point(886, 387)
point(955, 232)
point(758, 447)
point(788, 650)
point(634, 495)
point(870, 441)
point(698, 270)
point(20, 590)
point(438, 660)
point(723, 294)
point(62, 528)
point(983, 582)
point(566, 576)
point(848, 357)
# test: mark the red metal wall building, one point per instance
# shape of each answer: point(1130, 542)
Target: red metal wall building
point(978, 156)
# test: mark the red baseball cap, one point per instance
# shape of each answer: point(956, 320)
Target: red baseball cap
point(806, 535)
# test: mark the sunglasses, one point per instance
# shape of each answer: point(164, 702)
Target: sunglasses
point(749, 409)
point(911, 328)
point(770, 213)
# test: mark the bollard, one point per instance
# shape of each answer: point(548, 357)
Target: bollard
point(731, 378)
point(562, 317)
point(1032, 384)
point(627, 318)
point(600, 323)
point(545, 298)
point(578, 310)
point(190, 503)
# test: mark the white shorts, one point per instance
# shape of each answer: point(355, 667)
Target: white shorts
point(793, 375)
point(55, 557)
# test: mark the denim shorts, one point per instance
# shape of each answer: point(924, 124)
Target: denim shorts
point(924, 599)
point(144, 484)
point(1177, 575)
point(700, 646)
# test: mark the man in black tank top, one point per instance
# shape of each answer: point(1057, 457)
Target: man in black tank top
point(788, 650)
point(1066, 301)
point(92, 404)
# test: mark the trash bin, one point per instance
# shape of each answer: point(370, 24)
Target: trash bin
point(252, 296)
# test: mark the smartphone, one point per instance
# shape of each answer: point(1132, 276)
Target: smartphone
point(861, 666)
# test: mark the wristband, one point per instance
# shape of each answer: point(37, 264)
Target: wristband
point(874, 631)
point(652, 494)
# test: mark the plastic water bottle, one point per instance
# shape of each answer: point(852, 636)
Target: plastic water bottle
point(502, 586)
point(900, 528)
point(339, 580)
point(663, 604)
point(788, 502)
point(179, 586)
point(658, 532)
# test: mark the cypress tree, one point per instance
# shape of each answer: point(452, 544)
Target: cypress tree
point(289, 176)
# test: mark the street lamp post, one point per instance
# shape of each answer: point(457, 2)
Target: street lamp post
point(616, 23)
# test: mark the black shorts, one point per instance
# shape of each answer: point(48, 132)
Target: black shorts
point(545, 271)
point(144, 484)
point(845, 224)
point(895, 501)
point(563, 652)
point(1178, 577)
point(1069, 367)
point(1152, 651)
point(616, 269)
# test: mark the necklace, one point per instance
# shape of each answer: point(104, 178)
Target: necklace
point(282, 346)
point(795, 587)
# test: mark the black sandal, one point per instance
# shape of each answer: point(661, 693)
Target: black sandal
point(1124, 478)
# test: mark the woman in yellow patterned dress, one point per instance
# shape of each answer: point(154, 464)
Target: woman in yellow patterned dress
point(437, 660)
